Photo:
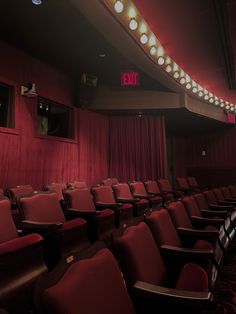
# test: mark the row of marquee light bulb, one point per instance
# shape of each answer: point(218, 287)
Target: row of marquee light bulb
point(151, 44)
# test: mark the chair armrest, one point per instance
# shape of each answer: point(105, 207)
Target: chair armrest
point(179, 252)
point(159, 294)
point(81, 213)
point(147, 197)
point(106, 205)
point(198, 233)
point(222, 213)
point(226, 205)
point(28, 225)
point(221, 207)
point(127, 200)
point(207, 221)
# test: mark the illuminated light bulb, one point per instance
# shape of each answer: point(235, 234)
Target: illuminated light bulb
point(37, 2)
point(188, 86)
point(133, 24)
point(211, 100)
point(222, 105)
point(144, 39)
point(200, 93)
point(160, 60)
point(168, 68)
point(160, 51)
point(152, 40)
point(206, 97)
point(182, 80)
point(227, 103)
point(232, 109)
point(153, 50)
point(176, 75)
point(132, 13)
point(227, 107)
point(119, 7)
point(216, 102)
point(168, 60)
point(194, 90)
point(143, 28)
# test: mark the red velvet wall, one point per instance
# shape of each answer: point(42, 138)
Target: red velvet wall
point(26, 158)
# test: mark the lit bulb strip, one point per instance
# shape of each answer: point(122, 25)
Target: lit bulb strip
point(128, 15)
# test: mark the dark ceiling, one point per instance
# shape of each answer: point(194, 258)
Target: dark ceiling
point(60, 35)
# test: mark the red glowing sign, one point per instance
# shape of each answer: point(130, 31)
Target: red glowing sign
point(231, 118)
point(130, 78)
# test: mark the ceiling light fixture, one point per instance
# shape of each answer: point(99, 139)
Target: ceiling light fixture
point(153, 50)
point(144, 39)
point(37, 2)
point(160, 60)
point(133, 24)
point(119, 7)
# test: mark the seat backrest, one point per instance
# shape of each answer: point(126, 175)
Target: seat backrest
point(110, 181)
point(7, 227)
point(232, 189)
point(19, 190)
point(122, 190)
point(80, 199)
point(77, 184)
point(182, 183)
point(42, 207)
point(1, 192)
point(191, 206)
point(210, 197)
point(152, 187)
point(226, 192)
point(201, 201)
point(179, 215)
point(92, 285)
point(218, 194)
point(164, 185)
point(58, 187)
point(162, 228)
point(138, 187)
point(104, 193)
point(192, 182)
point(140, 257)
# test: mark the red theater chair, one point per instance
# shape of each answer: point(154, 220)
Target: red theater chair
point(110, 181)
point(94, 284)
point(123, 195)
point(221, 199)
point(101, 224)
point(21, 260)
point(170, 245)
point(153, 188)
point(1, 192)
point(232, 189)
point(193, 184)
point(58, 188)
point(77, 184)
point(227, 194)
point(144, 269)
point(138, 190)
point(165, 187)
point(183, 185)
point(42, 212)
point(104, 198)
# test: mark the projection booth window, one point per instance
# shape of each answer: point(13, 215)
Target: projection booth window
point(6, 106)
point(55, 119)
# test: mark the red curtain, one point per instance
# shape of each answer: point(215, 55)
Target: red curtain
point(93, 146)
point(137, 148)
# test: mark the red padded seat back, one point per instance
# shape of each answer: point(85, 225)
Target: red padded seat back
point(218, 194)
point(192, 182)
point(232, 189)
point(42, 207)
point(164, 185)
point(162, 228)
point(210, 197)
point(80, 199)
point(58, 187)
point(191, 206)
point(226, 192)
point(140, 256)
point(77, 184)
point(122, 190)
point(93, 285)
point(138, 188)
point(110, 181)
point(152, 187)
point(201, 201)
point(18, 190)
point(104, 194)
point(179, 215)
point(182, 183)
point(7, 227)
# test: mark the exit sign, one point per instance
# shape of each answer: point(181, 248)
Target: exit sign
point(130, 78)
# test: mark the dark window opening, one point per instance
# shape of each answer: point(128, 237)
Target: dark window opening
point(6, 106)
point(55, 119)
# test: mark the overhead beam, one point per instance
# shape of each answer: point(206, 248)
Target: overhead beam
point(220, 8)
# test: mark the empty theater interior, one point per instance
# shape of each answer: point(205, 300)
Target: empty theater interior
point(117, 157)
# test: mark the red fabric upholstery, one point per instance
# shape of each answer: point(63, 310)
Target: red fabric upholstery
point(210, 197)
point(138, 188)
point(232, 189)
point(179, 215)
point(164, 185)
point(203, 245)
point(77, 184)
point(80, 199)
point(122, 190)
point(201, 201)
point(105, 213)
point(110, 181)
point(43, 207)
point(20, 189)
point(140, 257)
point(58, 187)
point(18, 244)
point(191, 206)
point(73, 224)
point(7, 227)
point(218, 194)
point(192, 182)
point(152, 187)
point(193, 277)
point(94, 285)
point(104, 194)
point(162, 228)
point(1, 192)
point(226, 192)
point(182, 183)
